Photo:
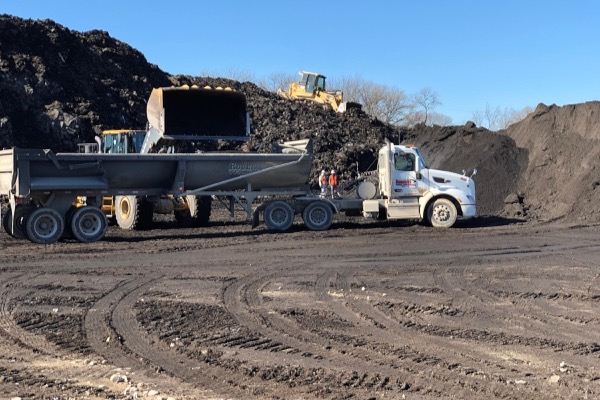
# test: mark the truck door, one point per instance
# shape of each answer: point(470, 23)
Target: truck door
point(404, 176)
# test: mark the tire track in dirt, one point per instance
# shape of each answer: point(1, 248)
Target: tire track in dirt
point(114, 315)
point(100, 335)
point(455, 281)
point(10, 329)
point(243, 299)
point(477, 296)
point(421, 354)
point(32, 356)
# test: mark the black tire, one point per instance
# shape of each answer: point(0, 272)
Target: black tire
point(17, 231)
point(279, 216)
point(146, 214)
point(441, 213)
point(317, 216)
point(44, 225)
point(132, 213)
point(88, 224)
point(6, 216)
point(197, 213)
point(204, 210)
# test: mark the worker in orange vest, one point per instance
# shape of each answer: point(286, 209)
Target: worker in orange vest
point(323, 183)
point(333, 184)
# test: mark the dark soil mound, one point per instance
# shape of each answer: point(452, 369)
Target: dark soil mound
point(498, 161)
point(563, 171)
point(60, 87)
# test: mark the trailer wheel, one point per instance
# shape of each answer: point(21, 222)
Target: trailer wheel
point(197, 213)
point(279, 216)
point(441, 213)
point(44, 225)
point(317, 216)
point(132, 213)
point(17, 231)
point(88, 224)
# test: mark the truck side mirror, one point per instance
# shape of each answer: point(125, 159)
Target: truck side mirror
point(419, 175)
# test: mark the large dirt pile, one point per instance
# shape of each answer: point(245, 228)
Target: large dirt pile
point(60, 87)
point(498, 161)
point(562, 175)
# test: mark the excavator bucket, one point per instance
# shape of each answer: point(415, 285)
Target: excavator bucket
point(184, 113)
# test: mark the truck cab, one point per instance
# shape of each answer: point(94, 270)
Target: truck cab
point(409, 189)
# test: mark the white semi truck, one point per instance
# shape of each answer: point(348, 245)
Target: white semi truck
point(42, 188)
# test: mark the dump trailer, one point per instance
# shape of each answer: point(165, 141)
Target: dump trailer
point(51, 196)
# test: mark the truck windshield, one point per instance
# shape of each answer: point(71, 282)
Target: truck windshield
point(422, 162)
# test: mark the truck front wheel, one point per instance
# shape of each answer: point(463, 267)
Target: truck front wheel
point(317, 216)
point(441, 213)
point(279, 216)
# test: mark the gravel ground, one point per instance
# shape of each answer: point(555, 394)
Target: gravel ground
point(490, 309)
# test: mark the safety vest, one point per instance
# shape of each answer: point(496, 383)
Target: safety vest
point(323, 180)
point(333, 180)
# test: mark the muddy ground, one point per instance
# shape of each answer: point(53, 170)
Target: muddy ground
point(494, 308)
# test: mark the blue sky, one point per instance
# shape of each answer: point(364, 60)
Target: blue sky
point(506, 54)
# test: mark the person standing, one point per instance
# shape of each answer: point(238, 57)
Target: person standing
point(333, 184)
point(323, 183)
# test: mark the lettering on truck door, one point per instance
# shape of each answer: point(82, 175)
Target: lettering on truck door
point(404, 179)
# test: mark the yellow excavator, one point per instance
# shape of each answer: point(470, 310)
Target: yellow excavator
point(312, 87)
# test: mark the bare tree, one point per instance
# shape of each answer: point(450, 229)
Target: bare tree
point(232, 73)
point(477, 117)
point(350, 86)
point(491, 115)
point(277, 80)
point(428, 100)
point(439, 119)
point(388, 104)
point(495, 118)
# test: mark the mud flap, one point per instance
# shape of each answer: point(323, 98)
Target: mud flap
point(256, 215)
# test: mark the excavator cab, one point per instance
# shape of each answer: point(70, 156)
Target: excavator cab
point(122, 141)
